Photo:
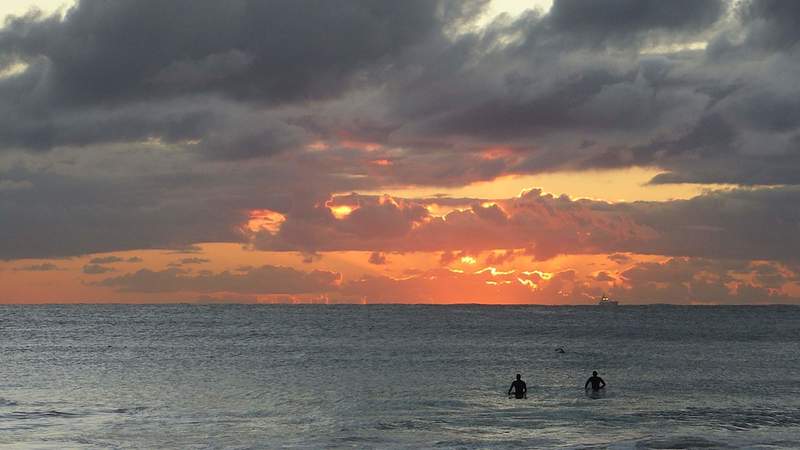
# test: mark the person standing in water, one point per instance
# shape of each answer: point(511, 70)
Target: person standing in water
point(519, 387)
point(596, 382)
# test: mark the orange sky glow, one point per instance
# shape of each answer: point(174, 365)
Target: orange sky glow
point(491, 276)
point(512, 152)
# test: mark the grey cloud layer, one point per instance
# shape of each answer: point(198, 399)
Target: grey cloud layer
point(108, 52)
point(194, 112)
point(737, 224)
point(620, 17)
point(128, 70)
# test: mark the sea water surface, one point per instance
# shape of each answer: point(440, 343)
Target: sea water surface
point(369, 376)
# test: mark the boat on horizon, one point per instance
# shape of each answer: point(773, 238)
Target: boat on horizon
point(605, 301)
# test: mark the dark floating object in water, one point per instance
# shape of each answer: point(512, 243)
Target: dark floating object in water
point(560, 350)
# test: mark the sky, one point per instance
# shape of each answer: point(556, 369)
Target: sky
point(413, 152)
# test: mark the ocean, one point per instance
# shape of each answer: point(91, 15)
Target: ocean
point(384, 376)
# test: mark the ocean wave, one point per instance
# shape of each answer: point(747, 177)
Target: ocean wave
point(731, 419)
point(28, 415)
point(132, 410)
point(680, 442)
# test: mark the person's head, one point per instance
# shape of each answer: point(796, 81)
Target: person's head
point(519, 376)
point(594, 374)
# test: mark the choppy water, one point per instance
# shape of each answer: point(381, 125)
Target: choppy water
point(192, 376)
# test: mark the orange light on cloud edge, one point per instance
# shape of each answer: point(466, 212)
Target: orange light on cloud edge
point(264, 219)
point(608, 185)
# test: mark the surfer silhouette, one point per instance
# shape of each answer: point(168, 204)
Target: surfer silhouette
point(519, 387)
point(596, 382)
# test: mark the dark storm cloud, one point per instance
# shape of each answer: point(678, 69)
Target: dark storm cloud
point(103, 200)
point(274, 51)
point(35, 128)
point(546, 94)
point(551, 110)
point(233, 82)
point(62, 216)
point(130, 70)
point(771, 24)
point(743, 224)
point(614, 19)
point(710, 136)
